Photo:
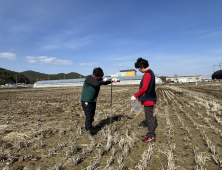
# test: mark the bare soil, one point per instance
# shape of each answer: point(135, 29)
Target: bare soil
point(44, 129)
point(211, 89)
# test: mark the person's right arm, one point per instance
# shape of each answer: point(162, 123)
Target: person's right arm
point(91, 81)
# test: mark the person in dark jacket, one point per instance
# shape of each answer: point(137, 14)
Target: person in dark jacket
point(147, 96)
point(90, 91)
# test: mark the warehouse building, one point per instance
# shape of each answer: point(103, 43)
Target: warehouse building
point(130, 72)
point(184, 79)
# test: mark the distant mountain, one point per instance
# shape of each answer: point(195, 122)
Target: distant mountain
point(7, 76)
point(34, 76)
point(31, 74)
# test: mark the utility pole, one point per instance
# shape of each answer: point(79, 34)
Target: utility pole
point(220, 64)
point(37, 78)
point(213, 67)
point(16, 81)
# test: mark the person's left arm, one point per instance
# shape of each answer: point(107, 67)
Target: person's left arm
point(146, 82)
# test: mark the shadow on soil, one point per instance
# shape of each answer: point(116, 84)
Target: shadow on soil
point(105, 122)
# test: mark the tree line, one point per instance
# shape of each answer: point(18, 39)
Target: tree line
point(7, 76)
point(30, 77)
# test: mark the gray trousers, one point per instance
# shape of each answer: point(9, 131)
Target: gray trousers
point(150, 120)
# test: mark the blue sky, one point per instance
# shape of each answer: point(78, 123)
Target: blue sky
point(175, 36)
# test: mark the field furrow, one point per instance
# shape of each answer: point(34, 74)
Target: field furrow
point(44, 129)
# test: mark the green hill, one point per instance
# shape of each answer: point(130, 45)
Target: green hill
point(7, 76)
point(31, 74)
point(34, 76)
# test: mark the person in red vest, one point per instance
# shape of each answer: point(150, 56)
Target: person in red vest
point(147, 96)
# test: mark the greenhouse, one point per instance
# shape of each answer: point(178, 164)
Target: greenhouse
point(79, 82)
point(217, 75)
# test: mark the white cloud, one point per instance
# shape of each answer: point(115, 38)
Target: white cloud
point(213, 34)
point(50, 47)
point(31, 59)
point(63, 62)
point(218, 50)
point(210, 33)
point(74, 44)
point(47, 60)
point(88, 63)
point(66, 40)
point(119, 57)
point(8, 55)
point(120, 65)
point(204, 32)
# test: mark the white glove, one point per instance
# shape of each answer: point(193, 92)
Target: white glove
point(105, 79)
point(133, 98)
point(114, 80)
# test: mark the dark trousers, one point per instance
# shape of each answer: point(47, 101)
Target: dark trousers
point(89, 109)
point(150, 120)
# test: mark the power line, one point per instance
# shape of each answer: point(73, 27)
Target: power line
point(213, 67)
point(220, 64)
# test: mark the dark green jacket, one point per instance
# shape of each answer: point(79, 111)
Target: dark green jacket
point(91, 88)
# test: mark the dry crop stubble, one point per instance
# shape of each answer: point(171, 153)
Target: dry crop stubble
point(44, 129)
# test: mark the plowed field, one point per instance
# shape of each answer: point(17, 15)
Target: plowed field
point(44, 129)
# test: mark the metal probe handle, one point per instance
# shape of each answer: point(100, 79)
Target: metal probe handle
point(112, 81)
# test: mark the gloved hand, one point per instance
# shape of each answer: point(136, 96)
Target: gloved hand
point(133, 98)
point(105, 79)
point(115, 80)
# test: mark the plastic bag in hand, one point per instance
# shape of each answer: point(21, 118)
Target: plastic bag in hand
point(136, 106)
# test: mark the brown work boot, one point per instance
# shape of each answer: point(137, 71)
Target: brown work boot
point(90, 137)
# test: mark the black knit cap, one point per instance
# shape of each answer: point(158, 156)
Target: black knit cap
point(98, 72)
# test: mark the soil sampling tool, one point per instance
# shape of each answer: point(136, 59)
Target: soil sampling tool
point(111, 102)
